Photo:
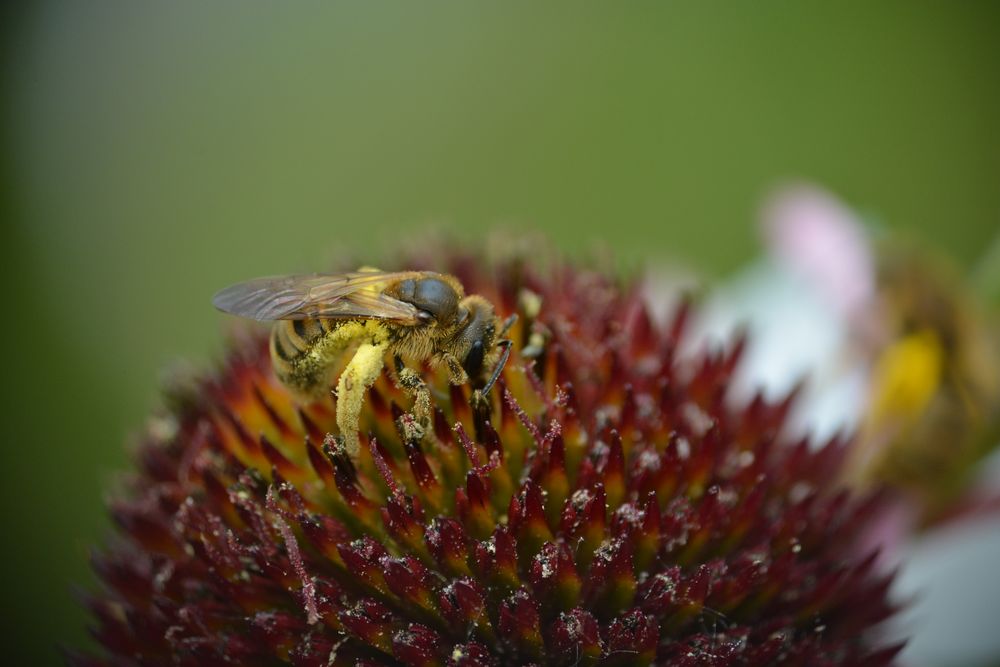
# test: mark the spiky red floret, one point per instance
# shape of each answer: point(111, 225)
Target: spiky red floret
point(611, 507)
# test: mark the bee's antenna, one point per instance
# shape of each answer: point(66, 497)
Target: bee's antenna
point(507, 344)
point(507, 324)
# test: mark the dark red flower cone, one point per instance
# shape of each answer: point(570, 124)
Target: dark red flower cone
point(610, 507)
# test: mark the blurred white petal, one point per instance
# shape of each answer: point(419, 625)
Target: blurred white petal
point(952, 575)
point(794, 336)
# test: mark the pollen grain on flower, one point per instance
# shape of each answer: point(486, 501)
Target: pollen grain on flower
point(608, 505)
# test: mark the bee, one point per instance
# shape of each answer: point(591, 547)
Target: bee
point(413, 315)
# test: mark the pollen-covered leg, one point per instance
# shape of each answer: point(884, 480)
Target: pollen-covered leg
point(456, 373)
point(410, 381)
point(361, 373)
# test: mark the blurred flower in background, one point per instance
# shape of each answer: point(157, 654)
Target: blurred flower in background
point(889, 340)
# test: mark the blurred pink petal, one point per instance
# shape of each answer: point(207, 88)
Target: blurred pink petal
point(819, 238)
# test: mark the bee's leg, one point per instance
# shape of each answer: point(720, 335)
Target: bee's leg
point(361, 373)
point(413, 384)
point(459, 376)
point(456, 373)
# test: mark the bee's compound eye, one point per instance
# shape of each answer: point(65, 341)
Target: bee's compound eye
point(473, 363)
point(424, 317)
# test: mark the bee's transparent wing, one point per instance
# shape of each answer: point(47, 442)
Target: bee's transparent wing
point(318, 295)
point(365, 304)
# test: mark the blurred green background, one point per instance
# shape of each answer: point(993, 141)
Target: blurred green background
point(156, 152)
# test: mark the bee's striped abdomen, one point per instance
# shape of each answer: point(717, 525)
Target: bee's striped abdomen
point(303, 352)
point(292, 341)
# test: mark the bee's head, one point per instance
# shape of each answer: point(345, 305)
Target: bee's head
point(475, 340)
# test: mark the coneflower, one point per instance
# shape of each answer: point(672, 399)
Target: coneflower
point(612, 506)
